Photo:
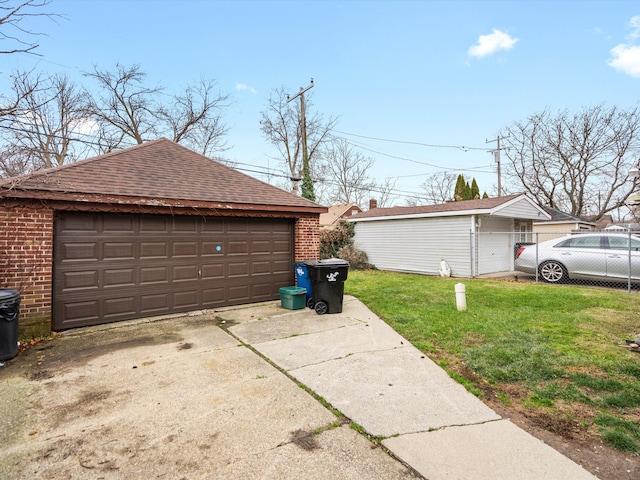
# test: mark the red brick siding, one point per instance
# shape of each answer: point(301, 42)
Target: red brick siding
point(26, 247)
point(307, 238)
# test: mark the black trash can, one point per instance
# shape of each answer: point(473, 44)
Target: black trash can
point(327, 284)
point(9, 311)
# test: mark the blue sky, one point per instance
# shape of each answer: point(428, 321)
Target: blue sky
point(440, 73)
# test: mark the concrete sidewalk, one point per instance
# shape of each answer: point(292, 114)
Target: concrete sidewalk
point(377, 379)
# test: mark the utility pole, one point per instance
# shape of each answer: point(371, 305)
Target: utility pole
point(496, 155)
point(307, 183)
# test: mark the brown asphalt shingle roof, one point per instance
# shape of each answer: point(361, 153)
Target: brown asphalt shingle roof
point(466, 205)
point(159, 169)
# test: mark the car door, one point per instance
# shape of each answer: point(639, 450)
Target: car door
point(583, 255)
point(619, 257)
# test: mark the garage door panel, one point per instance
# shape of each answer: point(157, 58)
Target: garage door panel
point(185, 300)
point(112, 267)
point(123, 277)
point(154, 250)
point(153, 224)
point(261, 246)
point(80, 251)
point(212, 271)
point(180, 273)
point(152, 275)
point(281, 266)
point(238, 247)
point(185, 249)
point(81, 313)
point(120, 224)
point(185, 224)
point(154, 304)
point(118, 251)
point(119, 306)
point(238, 269)
point(211, 248)
point(281, 246)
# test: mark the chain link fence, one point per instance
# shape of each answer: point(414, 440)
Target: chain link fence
point(605, 258)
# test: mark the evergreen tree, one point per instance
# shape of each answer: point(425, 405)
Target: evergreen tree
point(458, 193)
point(467, 191)
point(475, 191)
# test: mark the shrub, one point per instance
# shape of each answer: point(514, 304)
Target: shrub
point(357, 259)
point(333, 239)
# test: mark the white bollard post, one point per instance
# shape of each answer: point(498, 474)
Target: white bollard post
point(461, 297)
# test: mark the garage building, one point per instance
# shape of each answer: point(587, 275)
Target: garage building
point(150, 230)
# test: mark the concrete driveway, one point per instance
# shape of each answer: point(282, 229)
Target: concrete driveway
point(177, 398)
point(227, 395)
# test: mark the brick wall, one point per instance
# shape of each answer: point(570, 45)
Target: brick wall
point(26, 249)
point(307, 238)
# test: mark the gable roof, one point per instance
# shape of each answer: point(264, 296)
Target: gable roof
point(485, 206)
point(158, 172)
point(336, 212)
point(558, 216)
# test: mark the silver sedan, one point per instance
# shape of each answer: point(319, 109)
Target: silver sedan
point(607, 257)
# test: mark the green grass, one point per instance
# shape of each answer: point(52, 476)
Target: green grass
point(558, 347)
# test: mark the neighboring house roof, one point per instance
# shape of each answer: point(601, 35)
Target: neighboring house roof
point(559, 217)
point(155, 173)
point(483, 206)
point(337, 212)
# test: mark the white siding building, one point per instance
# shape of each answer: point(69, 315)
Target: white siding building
point(475, 237)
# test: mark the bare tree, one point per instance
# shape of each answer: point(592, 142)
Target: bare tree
point(127, 108)
point(439, 187)
point(281, 126)
point(577, 163)
point(13, 29)
point(14, 32)
point(44, 129)
point(347, 171)
point(385, 192)
point(195, 118)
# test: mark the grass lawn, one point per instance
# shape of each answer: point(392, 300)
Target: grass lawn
point(553, 352)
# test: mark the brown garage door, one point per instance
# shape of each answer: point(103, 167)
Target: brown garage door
point(112, 267)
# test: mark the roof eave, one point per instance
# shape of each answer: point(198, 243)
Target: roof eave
point(157, 202)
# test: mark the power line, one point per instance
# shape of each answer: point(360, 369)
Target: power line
point(430, 145)
point(432, 165)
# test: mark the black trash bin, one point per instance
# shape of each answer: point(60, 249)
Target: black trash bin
point(327, 284)
point(9, 311)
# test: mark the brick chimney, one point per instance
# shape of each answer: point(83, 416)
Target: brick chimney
point(373, 203)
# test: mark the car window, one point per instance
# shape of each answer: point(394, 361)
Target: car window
point(580, 242)
point(622, 243)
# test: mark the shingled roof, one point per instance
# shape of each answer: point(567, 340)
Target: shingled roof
point(160, 173)
point(453, 208)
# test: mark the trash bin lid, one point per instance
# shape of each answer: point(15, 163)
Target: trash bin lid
point(333, 262)
point(8, 294)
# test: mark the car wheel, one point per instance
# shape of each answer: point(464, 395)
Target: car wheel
point(553, 272)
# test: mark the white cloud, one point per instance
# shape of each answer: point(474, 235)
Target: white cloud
point(626, 59)
point(626, 56)
point(492, 43)
point(84, 126)
point(240, 87)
